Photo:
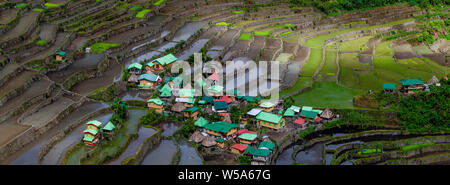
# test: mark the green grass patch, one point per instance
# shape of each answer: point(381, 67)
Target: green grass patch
point(237, 11)
point(102, 47)
point(327, 94)
point(136, 8)
point(330, 66)
point(313, 62)
point(141, 14)
point(302, 82)
point(319, 40)
point(358, 44)
point(223, 23)
point(383, 49)
point(246, 36)
point(51, 5)
point(22, 5)
point(370, 151)
point(264, 33)
point(39, 10)
point(415, 146)
point(41, 42)
point(159, 2)
point(285, 33)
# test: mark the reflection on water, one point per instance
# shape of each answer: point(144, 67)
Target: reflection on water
point(311, 156)
point(189, 155)
point(285, 157)
point(133, 147)
point(162, 154)
point(169, 129)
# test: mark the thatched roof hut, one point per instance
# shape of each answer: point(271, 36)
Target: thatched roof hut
point(208, 141)
point(178, 107)
point(227, 118)
point(197, 137)
point(433, 80)
point(207, 110)
point(133, 78)
point(327, 114)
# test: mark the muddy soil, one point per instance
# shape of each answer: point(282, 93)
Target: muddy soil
point(47, 113)
point(89, 61)
point(25, 22)
point(10, 129)
point(16, 82)
point(438, 58)
point(48, 32)
point(7, 16)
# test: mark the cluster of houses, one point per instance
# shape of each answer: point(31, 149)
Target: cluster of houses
point(410, 86)
point(148, 79)
point(94, 133)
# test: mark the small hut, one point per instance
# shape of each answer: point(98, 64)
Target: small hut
point(220, 142)
point(108, 129)
point(178, 107)
point(133, 78)
point(227, 118)
point(267, 106)
point(433, 80)
point(60, 55)
point(156, 104)
point(410, 86)
point(389, 87)
point(197, 137)
point(135, 68)
point(208, 141)
point(191, 112)
point(327, 114)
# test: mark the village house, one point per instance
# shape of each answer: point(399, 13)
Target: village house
point(289, 113)
point(233, 94)
point(191, 112)
point(201, 122)
point(309, 115)
point(250, 99)
point(267, 106)
point(208, 141)
point(156, 104)
point(266, 145)
point(165, 91)
point(59, 56)
point(108, 129)
point(220, 106)
point(187, 102)
point(410, 86)
point(135, 68)
point(389, 87)
point(146, 81)
point(300, 122)
point(259, 156)
point(220, 142)
point(163, 62)
point(226, 99)
point(133, 78)
point(327, 114)
point(215, 91)
point(247, 138)
point(270, 120)
point(221, 129)
point(252, 114)
point(92, 133)
point(238, 148)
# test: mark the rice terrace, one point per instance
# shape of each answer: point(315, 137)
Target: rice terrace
point(92, 82)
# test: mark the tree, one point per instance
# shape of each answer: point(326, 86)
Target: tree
point(244, 160)
point(119, 108)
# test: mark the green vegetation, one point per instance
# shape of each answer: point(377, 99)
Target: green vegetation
point(223, 23)
point(41, 42)
point(415, 146)
point(159, 2)
point(264, 33)
point(102, 47)
point(327, 94)
point(136, 8)
point(245, 36)
point(358, 44)
point(51, 5)
point(22, 5)
point(370, 151)
point(237, 11)
point(383, 49)
point(244, 160)
point(285, 33)
point(302, 82)
point(315, 58)
point(141, 14)
point(38, 9)
point(330, 67)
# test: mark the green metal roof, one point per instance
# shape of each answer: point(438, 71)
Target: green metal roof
point(220, 140)
point(248, 136)
point(187, 92)
point(266, 104)
point(309, 114)
point(389, 86)
point(257, 152)
point(148, 77)
point(318, 111)
point(176, 80)
point(208, 99)
point(267, 144)
point(88, 138)
point(166, 91)
point(109, 126)
point(191, 109)
point(215, 89)
point(234, 92)
point(295, 108)
point(289, 112)
point(220, 105)
point(94, 122)
point(416, 81)
point(91, 131)
point(222, 127)
point(201, 122)
point(265, 116)
point(307, 108)
point(62, 53)
point(156, 101)
point(150, 64)
point(135, 65)
point(165, 60)
point(249, 98)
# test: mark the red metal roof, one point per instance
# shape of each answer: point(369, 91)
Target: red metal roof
point(226, 99)
point(224, 113)
point(240, 147)
point(300, 121)
point(318, 119)
point(245, 131)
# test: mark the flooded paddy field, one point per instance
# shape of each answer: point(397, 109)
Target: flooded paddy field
point(161, 154)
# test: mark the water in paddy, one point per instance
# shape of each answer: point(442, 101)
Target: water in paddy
point(161, 155)
point(188, 30)
point(189, 155)
point(89, 61)
point(328, 158)
point(133, 147)
point(31, 152)
point(195, 48)
point(347, 162)
point(285, 157)
point(292, 73)
point(170, 128)
point(163, 34)
point(334, 146)
point(213, 54)
point(56, 153)
point(167, 45)
point(143, 57)
point(132, 95)
point(311, 156)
